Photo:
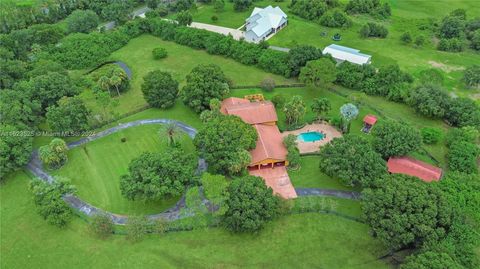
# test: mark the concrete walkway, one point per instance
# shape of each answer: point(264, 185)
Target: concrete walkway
point(279, 48)
point(352, 195)
point(236, 34)
point(35, 167)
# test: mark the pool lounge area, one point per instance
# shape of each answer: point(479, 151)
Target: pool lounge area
point(311, 137)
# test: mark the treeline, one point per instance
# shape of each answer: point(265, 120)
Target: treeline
point(455, 32)
point(428, 98)
point(329, 13)
point(19, 16)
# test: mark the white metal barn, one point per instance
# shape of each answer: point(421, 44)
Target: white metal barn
point(341, 54)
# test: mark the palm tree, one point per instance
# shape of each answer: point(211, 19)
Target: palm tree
point(171, 130)
point(116, 81)
point(104, 83)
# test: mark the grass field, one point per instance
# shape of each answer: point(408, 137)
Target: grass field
point(96, 167)
point(310, 176)
point(297, 241)
point(137, 54)
point(406, 16)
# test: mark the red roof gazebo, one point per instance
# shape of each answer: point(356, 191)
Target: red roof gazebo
point(368, 122)
point(415, 168)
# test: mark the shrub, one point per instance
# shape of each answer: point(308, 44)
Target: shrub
point(184, 18)
point(432, 75)
point(471, 76)
point(373, 30)
point(463, 111)
point(406, 38)
point(101, 225)
point(215, 190)
point(214, 18)
point(309, 9)
point(268, 84)
point(419, 41)
point(431, 135)
point(123, 139)
point(136, 228)
point(335, 18)
point(278, 100)
point(372, 7)
point(48, 200)
point(452, 45)
point(429, 100)
point(159, 53)
point(219, 5)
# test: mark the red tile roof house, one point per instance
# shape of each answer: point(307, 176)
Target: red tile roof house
point(415, 168)
point(269, 158)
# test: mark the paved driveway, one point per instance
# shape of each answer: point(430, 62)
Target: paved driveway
point(237, 34)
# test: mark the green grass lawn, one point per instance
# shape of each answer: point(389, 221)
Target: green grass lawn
point(310, 176)
point(96, 167)
point(297, 241)
point(137, 54)
point(406, 16)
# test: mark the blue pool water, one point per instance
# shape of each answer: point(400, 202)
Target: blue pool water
point(311, 136)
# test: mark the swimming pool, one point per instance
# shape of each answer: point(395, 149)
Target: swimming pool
point(311, 136)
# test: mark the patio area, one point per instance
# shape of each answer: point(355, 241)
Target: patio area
point(328, 131)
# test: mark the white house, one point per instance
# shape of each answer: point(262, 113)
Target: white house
point(264, 22)
point(341, 53)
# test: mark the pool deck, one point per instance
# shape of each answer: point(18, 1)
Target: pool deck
point(306, 147)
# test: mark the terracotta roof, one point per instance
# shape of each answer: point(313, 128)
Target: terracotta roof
point(370, 119)
point(250, 112)
point(412, 167)
point(277, 179)
point(269, 144)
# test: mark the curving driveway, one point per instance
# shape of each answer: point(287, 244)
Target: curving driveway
point(35, 166)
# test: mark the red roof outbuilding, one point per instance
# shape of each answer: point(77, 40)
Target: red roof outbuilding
point(370, 119)
point(415, 168)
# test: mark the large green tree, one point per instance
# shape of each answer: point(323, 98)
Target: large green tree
point(319, 73)
point(49, 202)
point(16, 107)
point(430, 100)
point(393, 138)
point(69, 115)
point(404, 211)
point(463, 112)
point(82, 21)
point(224, 142)
point(15, 149)
point(184, 18)
point(353, 160)
point(430, 260)
point(49, 88)
point(160, 89)
point(250, 205)
point(204, 83)
point(299, 56)
point(153, 176)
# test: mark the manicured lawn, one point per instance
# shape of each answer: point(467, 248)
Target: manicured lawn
point(406, 16)
point(137, 54)
point(297, 241)
point(310, 176)
point(96, 167)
